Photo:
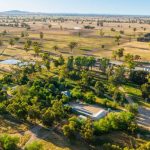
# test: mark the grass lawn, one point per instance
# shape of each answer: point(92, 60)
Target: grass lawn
point(106, 103)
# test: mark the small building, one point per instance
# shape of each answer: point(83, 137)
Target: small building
point(147, 69)
point(77, 28)
point(92, 111)
point(66, 93)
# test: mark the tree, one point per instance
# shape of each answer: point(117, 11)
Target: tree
point(137, 57)
point(129, 61)
point(72, 45)
point(41, 35)
point(53, 113)
point(55, 47)
point(133, 108)
point(90, 97)
point(48, 117)
point(91, 61)
point(114, 55)
point(121, 32)
point(138, 76)
point(120, 52)
point(76, 93)
point(145, 88)
point(49, 26)
point(36, 49)
point(22, 34)
point(3, 95)
point(119, 96)
point(101, 32)
point(18, 108)
point(70, 63)
point(85, 62)
point(104, 63)
point(87, 130)
point(72, 127)
point(34, 112)
point(11, 42)
point(46, 56)
point(16, 39)
point(58, 109)
point(61, 60)
point(144, 146)
point(118, 76)
point(1, 43)
point(117, 39)
point(27, 45)
point(78, 62)
point(67, 131)
point(85, 78)
point(79, 33)
point(99, 88)
point(47, 64)
point(134, 29)
point(4, 32)
point(114, 122)
point(102, 46)
point(9, 142)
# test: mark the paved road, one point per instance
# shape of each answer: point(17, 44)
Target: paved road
point(143, 118)
point(142, 68)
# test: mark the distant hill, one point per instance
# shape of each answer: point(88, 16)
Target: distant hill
point(24, 13)
point(17, 12)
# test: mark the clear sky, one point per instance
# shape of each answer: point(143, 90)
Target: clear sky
point(135, 7)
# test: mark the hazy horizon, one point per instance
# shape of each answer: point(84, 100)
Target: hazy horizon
point(72, 13)
point(112, 7)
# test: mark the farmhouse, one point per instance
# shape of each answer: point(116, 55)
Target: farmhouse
point(92, 111)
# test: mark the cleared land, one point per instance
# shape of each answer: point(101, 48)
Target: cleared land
point(90, 41)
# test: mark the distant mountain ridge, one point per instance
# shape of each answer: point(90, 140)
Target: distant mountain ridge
point(24, 13)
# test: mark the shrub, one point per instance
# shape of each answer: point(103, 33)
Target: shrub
point(34, 146)
point(132, 108)
point(8, 142)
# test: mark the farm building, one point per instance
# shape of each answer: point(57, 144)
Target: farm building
point(91, 111)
